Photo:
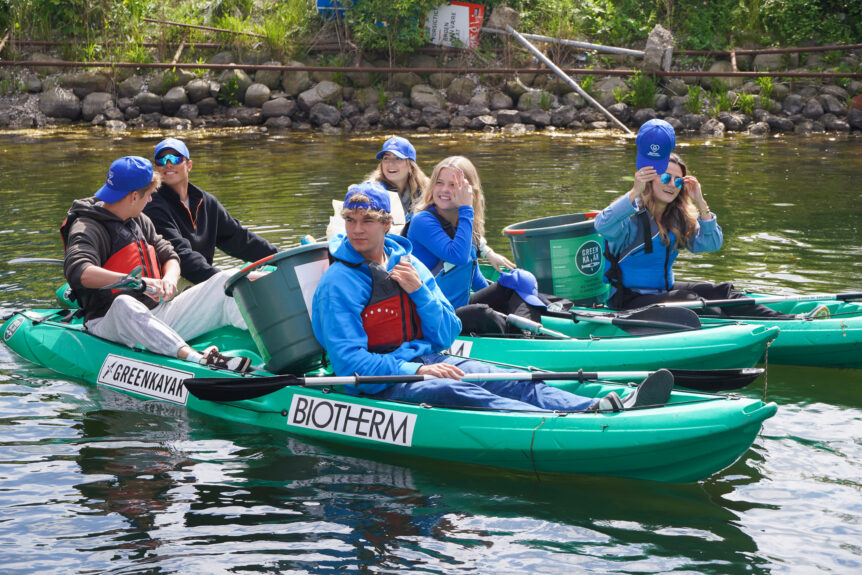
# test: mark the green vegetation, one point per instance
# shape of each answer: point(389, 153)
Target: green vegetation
point(643, 90)
point(719, 98)
point(745, 103)
point(694, 102)
point(393, 26)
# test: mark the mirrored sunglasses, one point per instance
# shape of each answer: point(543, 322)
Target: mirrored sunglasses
point(677, 182)
point(163, 161)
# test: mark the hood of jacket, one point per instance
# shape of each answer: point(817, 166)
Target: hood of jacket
point(395, 247)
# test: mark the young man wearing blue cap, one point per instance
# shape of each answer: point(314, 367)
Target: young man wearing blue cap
point(194, 221)
point(106, 237)
point(377, 311)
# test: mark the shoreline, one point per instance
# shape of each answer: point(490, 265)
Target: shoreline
point(278, 99)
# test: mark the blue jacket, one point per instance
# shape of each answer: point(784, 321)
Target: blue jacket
point(643, 272)
point(454, 260)
point(342, 295)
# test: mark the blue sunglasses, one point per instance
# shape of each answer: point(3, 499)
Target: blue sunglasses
point(163, 161)
point(677, 182)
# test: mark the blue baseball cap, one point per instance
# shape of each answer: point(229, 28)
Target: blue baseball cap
point(656, 140)
point(399, 146)
point(377, 195)
point(124, 177)
point(172, 144)
point(524, 284)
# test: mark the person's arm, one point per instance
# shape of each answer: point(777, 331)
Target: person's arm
point(238, 241)
point(426, 231)
point(478, 282)
point(708, 237)
point(440, 325)
point(615, 222)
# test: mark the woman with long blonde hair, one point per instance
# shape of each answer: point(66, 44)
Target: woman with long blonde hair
point(447, 234)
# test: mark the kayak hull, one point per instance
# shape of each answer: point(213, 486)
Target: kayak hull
point(606, 348)
point(692, 437)
point(820, 342)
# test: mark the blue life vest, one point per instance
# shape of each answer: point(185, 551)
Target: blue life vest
point(638, 267)
point(455, 281)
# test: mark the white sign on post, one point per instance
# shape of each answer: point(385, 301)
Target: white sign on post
point(455, 24)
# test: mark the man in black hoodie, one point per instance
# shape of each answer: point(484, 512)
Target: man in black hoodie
point(106, 237)
point(194, 221)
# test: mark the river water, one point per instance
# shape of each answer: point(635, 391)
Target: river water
point(93, 482)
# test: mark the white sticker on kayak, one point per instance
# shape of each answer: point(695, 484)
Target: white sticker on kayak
point(12, 328)
point(460, 347)
point(143, 378)
point(374, 423)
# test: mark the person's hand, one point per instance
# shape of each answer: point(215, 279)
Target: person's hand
point(692, 189)
point(170, 289)
point(499, 261)
point(463, 195)
point(158, 289)
point(445, 370)
point(642, 178)
point(406, 276)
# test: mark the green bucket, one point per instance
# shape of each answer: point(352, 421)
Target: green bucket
point(564, 253)
point(277, 307)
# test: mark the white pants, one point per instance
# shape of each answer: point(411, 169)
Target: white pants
point(165, 328)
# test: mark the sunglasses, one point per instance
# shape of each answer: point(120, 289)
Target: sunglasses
point(163, 161)
point(677, 182)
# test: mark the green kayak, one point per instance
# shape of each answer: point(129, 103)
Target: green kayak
point(834, 341)
point(690, 438)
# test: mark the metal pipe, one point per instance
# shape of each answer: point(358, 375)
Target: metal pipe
point(584, 45)
point(566, 78)
point(354, 70)
point(207, 28)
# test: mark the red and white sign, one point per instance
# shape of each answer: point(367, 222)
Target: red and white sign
point(455, 24)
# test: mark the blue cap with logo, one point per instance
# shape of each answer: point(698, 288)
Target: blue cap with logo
point(524, 284)
point(172, 144)
point(400, 147)
point(124, 177)
point(656, 140)
point(378, 197)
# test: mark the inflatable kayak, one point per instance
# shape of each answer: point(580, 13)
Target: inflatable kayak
point(833, 341)
point(690, 438)
point(595, 347)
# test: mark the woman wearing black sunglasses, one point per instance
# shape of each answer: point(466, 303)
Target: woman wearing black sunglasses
point(645, 229)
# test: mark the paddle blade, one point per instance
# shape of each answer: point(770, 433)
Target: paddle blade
point(715, 379)
point(237, 389)
point(680, 317)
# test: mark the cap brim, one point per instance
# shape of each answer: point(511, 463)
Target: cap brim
point(660, 165)
point(532, 300)
point(393, 152)
point(110, 195)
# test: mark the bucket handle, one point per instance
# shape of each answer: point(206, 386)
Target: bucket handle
point(256, 264)
point(507, 232)
point(228, 288)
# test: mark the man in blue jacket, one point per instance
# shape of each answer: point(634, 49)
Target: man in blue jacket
point(194, 221)
point(377, 311)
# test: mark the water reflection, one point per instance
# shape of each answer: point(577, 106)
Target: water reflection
point(91, 478)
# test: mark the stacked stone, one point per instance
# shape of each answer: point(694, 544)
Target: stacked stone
point(277, 100)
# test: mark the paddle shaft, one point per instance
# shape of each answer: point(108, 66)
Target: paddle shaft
point(700, 304)
point(532, 326)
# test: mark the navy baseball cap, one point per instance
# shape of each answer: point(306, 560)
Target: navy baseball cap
point(172, 144)
point(124, 177)
point(656, 140)
point(524, 284)
point(399, 146)
point(377, 195)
